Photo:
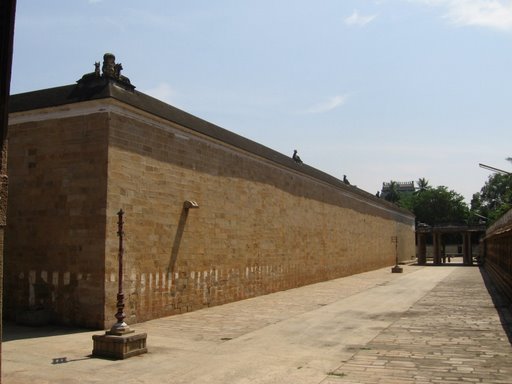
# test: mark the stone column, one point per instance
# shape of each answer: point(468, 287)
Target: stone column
point(466, 248)
point(470, 249)
point(437, 247)
point(422, 248)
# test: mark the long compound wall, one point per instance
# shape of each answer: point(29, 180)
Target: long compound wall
point(498, 253)
point(261, 225)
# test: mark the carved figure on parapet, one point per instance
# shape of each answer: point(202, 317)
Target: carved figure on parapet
point(109, 65)
point(109, 71)
point(117, 70)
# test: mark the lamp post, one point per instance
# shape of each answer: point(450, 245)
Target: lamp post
point(120, 328)
point(120, 342)
point(396, 268)
point(493, 169)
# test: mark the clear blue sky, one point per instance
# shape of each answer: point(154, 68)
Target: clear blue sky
point(377, 90)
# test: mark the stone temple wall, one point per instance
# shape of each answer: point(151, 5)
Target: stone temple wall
point(55, 236)
point(498, 253)
point(264, 223)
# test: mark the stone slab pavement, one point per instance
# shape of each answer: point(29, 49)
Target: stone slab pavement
point(427, 325)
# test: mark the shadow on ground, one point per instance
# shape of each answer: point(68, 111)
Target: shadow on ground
point(501, 303)
point(13, 331)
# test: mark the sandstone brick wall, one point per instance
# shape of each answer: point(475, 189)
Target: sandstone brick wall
point(261, 225)
point(498, 253)
point(54, 255)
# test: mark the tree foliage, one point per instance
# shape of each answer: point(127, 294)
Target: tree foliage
point(440, 205)
point(393, 194)
point(422, 184)
point(436, 205)
point(430, 205)
point(495, 197)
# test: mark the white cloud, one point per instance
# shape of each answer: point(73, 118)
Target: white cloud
point(355, 19)
point(328, 105)
point(162, 91)
point(495, 14)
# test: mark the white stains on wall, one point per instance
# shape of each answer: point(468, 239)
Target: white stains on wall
point(55, 283)
point(49, 282)
point(31, 290)
point(163, 291)
point(142, 283)
point(181, 291)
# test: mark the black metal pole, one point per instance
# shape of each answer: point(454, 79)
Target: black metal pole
point(120, 315)
point(120, 327)
point(396, 268)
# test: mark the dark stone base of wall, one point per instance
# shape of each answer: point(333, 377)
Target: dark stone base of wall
point(35, 317)
point(502, 280)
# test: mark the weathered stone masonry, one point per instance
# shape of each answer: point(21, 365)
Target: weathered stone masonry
point(498, 253)
point(55, 242)
point(264, 223)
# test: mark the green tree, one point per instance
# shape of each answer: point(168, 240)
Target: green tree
point(430, 205)
point(495, 197)
point(422, 184)
point(392, 194)
point(437, 206)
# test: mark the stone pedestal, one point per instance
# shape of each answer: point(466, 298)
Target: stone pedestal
point(119, 346)
point(397, 269)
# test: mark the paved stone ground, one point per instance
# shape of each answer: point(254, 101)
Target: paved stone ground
point(427, 325)
point(453, 334)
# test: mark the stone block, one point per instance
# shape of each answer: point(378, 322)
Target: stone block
point(119, 347)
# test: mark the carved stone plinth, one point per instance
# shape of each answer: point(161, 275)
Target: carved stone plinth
point(397, 269)
point(119, 346)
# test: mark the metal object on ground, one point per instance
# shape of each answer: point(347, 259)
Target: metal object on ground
point(120, 328)
point(396, 268)
point(120, 342)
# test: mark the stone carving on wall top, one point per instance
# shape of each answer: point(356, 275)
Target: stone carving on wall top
point(110, 71)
